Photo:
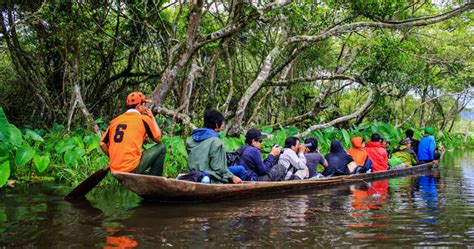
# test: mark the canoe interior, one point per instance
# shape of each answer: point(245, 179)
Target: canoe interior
point(159, 188)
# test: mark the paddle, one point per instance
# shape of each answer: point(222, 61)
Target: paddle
point(88, 184)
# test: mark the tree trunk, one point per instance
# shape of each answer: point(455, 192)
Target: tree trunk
point(253, 89)
point(424, 96)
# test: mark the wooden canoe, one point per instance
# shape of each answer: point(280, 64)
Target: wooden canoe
point(164, 189)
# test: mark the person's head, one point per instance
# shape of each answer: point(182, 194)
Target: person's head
point(336, 146)
point(314, 143)
point(429, 131)
point(292, 143)
point(358, 142)
point(384, 142)
point(376, 138)
point(136, 100)
point(409, 133)
point(213, 120)
point(254, 138)
point(406, 142)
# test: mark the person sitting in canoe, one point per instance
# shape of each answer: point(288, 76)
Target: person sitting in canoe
point(359, 154)
point(123, 139)
point(427, 147)
point(414, 143)
point(313, 157)
point(294, 160)
point(207, 153)
point(377, 153)
point(251, 157)
point(338, 160)
point(405, 153)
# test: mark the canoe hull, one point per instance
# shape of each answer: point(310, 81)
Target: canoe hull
point(171, 190)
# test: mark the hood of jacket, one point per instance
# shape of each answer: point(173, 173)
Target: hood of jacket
point(336, 146)
point(202, 134)
point(373, 144)
point(357, 142)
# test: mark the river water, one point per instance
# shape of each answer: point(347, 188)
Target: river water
point(436, 209)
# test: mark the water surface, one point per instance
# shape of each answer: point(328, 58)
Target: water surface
point(436, 209)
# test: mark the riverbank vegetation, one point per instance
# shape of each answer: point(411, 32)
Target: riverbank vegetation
point(330, 69)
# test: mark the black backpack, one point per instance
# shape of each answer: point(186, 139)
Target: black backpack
point(232, 157)
point(194, 176)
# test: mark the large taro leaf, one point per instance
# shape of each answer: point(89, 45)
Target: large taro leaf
point(64, 145)
point(347, 138)
point(4, 127)
point(92, 142)
point(4, 172)
point(71, 156)
point(15, 136)
point(24, 154)
point(33, 135)
point(41, 162)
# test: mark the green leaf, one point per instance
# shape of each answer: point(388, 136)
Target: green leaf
point(4, 127)
point(15, 136)
point(5, 151)
point(292, 131)
point(71, 156)
point(66, 144)
point(267, 129)
point(4, 173)
point(23, 155)
point(41, 162)
point(347, 138)
point(92, 142)
point(33, 135)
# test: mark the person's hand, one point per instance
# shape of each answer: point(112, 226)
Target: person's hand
point(302, 148)
point(149, 113)
point(275, 151)
point(235, 180)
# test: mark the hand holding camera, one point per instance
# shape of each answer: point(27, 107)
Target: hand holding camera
point(276, 150)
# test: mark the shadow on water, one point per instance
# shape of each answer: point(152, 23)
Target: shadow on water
point(435, 209)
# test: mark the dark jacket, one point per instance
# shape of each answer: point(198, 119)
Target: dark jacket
point(251, 159)
point(414, 144)
point(337, 160)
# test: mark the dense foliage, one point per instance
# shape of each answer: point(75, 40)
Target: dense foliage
point(331, 69)
point(38, 155)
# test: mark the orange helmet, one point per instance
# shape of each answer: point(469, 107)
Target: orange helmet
point(136, 98)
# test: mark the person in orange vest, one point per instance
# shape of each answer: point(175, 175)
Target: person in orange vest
point(124, 138)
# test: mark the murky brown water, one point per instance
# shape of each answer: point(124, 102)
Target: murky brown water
point(432, 210)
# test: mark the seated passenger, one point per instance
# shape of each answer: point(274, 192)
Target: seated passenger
point(414, 143)
point(377, 153)
point(123, 139)
point(294, 160)
point(427, 147)
point(313, 157)
point(251, 158)
point(405, 153)
point(338, 160)
point(207, 153)
point(358, 151)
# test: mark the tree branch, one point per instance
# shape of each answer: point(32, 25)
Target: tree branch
point(340, 119)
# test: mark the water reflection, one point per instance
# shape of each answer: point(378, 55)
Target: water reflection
point(436, 209)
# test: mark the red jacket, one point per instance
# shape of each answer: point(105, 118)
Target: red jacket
point(378, 155)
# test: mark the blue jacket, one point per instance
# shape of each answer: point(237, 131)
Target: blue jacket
point(251, 159)
point(201, 134)
point(426, 148)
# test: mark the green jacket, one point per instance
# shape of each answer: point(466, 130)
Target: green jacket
point(404, 154)
point(208, 156)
